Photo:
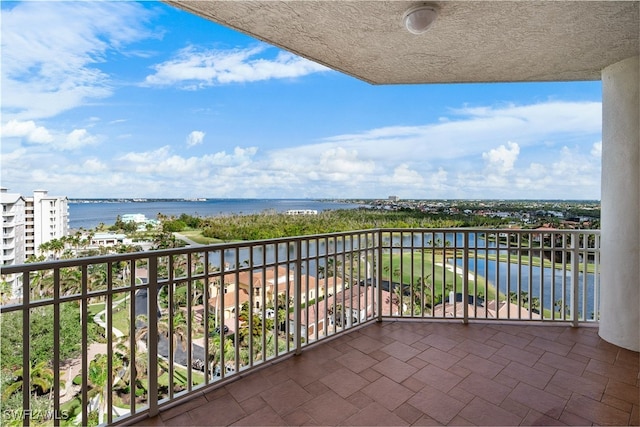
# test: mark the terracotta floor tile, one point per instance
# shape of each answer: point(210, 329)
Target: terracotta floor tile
point(627, 392)
point(477, 332)
point(541, 401)
point(304, 370)
point(480, 365)
point(413, 384)
point(248, 387)
point(375, 415)
point(388, 393)
point(286, 397)
point(408, 413)
point(578, 384)
point(370, 374)
point(418, 363)
point(437, 378)
point(461, 394)
point(222, 411)
point(359, 399)
point(562, 363)
point(535, 418)
point(617, 403)
point(405, 336)
point(427, 421)
point(298, 418)
point(262, 417)
point(436, 404)
point(432, 373)
point(597, 412)
point(437, 357)
point(440, 342)
point(618, 373)
point(330, 408)
point(316, 388)
point(517, 408)
point(482, 413)
point(366, 344)
point(483, 387)
point(401, 351)
point(477, 348)
point(344, 382)
point(605, 355)
point(185, 407)
point(548, 345)
point(628, 358)
point(356, 360)
point(635, 416)
point(460, 421)
point(572, 419)
point(517, 354)
point(395, 369)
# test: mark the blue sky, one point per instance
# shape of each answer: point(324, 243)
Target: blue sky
point(126, 99)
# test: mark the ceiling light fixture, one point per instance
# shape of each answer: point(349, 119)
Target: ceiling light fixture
point(418, 19)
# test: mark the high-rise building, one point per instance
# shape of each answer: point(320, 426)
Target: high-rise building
point(27, 223)
point(47, 218)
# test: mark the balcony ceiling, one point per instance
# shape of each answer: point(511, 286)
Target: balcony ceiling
point(471, 41)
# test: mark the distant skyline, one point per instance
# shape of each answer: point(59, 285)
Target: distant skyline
point(121, 99)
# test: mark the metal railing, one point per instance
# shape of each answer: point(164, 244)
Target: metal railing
point(113, 338)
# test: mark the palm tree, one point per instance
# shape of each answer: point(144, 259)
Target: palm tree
point(219, 345)
point(40, 380)
point(99, 378)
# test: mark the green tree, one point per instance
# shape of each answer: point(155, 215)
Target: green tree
point(40, 380)
point(41, 335)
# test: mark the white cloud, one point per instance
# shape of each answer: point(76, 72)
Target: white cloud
point(49, 52)
point(193, 68)
point(79, 138)
point(30, 133)
point(502, 159)
point(435, 160)
point(27, 130)
point(163, 163)
point(474, 131)
point(194, 138)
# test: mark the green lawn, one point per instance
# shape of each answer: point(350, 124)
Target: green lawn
point(196, 236)
point(436, 273)
point(120, 315)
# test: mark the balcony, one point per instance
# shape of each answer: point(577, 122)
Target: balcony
point(387, 327)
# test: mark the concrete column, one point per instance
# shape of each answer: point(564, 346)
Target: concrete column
point(620, 222)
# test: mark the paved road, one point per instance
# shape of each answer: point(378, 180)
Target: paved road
point(186, 239)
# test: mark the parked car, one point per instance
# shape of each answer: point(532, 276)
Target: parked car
point(225, 328)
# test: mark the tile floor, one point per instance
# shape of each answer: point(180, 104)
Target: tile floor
point(408, 373)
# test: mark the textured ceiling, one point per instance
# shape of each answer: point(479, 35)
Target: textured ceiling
point(471, 41)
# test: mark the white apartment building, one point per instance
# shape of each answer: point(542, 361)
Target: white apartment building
point(47, 218)
point(28, 222)
point(13, 228)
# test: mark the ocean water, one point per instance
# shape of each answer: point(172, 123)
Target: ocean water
point(90, 215)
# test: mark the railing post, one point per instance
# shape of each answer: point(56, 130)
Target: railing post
point(575, 317)
point(377, 263)
point(26, 345)
point(465, 278)
point(297, 299)
point(152, 319)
